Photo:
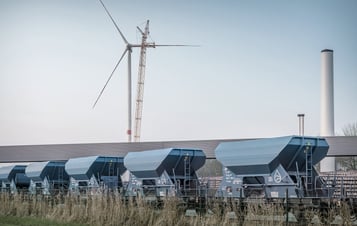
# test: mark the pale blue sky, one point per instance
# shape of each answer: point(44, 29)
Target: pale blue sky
point(257, 67)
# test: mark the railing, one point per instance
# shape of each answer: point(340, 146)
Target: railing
point(344, 184)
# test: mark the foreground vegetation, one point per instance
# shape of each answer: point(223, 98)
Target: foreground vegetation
point(112, 210)
point(32, 221)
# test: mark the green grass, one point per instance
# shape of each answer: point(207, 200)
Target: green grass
point(31, 221)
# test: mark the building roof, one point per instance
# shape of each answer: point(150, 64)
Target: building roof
point(339, 146)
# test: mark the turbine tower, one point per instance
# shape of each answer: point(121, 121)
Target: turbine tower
point(141, 75)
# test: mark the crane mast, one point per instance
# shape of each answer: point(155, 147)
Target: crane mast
point(141, 75)
point(141, 80)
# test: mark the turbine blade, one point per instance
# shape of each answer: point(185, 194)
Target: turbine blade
point(154, 45)
point(111, 75)
point(121, 34)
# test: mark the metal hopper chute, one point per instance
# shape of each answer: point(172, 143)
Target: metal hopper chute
point(163, 172)
point(47, 177)
point(267, 167)
point(94, 172)
point(13, 178)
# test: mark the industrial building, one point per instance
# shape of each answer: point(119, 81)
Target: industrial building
point(340, 146)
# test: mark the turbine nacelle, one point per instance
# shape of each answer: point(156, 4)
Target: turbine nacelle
point(141, 76)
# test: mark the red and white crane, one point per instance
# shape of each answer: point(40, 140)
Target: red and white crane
point(141, 76)
point(140, 85)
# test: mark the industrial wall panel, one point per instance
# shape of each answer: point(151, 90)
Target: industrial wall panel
point(339, 146)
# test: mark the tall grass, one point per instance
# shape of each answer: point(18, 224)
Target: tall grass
point(32, 221)
point(111, 209)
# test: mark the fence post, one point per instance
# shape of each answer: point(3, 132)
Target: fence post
point(287, 207)
point(241, 207)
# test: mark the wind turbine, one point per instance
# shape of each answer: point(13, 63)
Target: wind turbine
point(141, 75)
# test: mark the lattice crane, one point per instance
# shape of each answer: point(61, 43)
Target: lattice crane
point(141, 80)
point(141, 75)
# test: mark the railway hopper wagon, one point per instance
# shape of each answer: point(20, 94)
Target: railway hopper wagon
point(273, 168)
point(47, 177)
point(95, 174)
point(164, 173)
point(13, 178)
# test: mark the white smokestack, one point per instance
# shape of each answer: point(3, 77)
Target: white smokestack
point(327, 123)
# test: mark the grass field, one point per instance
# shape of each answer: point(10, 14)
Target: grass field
point(99, 210)
point(31, 221)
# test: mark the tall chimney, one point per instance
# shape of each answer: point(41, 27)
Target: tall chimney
point(327, 124)
point(301, 124)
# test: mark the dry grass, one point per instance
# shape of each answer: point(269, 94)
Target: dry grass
point(113, 210)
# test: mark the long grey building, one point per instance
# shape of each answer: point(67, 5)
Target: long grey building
point(339, 146)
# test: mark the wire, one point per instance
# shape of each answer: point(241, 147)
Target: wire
point(152, 40)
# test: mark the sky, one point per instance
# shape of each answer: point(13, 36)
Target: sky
point(257, 66)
